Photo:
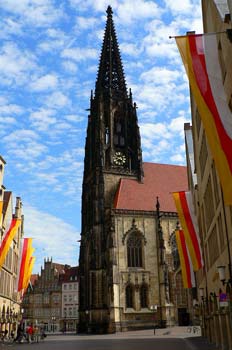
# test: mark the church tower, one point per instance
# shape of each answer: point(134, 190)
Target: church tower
point(123, 271)
point(112, 151)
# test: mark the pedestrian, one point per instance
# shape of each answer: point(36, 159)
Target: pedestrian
point(43, 334)
point(29, 333)
point(20, 333)
point(36, 334)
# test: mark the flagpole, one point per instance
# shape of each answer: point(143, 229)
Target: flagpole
point(228, 32)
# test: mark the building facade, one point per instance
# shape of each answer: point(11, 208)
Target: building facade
point(51, 301)
point(9, 299)
point(214, 217)
point(128, 213)
point(70, 300)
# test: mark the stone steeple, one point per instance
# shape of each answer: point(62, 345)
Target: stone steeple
point(112, 151)
point(113, 137)
point(110, 77)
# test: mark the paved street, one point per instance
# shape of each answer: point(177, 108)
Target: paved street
point(176, 338)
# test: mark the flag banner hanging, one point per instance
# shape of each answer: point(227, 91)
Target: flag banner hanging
point(26, 251)
point(185, 261)
point(29, 272)
point(188, 220)
point(28, 267)
point(8, 238)
point(201, 60)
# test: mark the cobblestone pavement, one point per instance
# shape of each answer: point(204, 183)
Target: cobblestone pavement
point(179, 338)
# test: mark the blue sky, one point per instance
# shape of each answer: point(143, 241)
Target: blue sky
point(49, 54)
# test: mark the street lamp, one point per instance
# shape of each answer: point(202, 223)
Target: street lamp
point(222, 275)
point(53, 323)
point(160, 259)
point(87, 320)
point(153, 309)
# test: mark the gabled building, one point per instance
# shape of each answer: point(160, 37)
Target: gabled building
point(9, 299)
point(214, 217)
point(128, 213)
point(42, 302)
point(52, 298)
point(70, 299)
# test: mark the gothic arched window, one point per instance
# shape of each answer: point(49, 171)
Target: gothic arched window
point(129, 296)
point(119, 138)
point(144, 296)
point(134, 250)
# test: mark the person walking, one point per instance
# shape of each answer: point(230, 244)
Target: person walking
point(29, 333)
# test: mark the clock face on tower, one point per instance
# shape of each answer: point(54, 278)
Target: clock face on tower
point(119, 158)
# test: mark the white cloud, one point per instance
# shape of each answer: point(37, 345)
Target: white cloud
point(24, 144)
point(79, 53)
point(43, 119)
point(57, 100)
point(132, 10)
point(62, 126)
point(159, 97)
point(46, 82)
point(85, 22)
point(16, 64)
point(153, 131)
point(178, 158)
point(8, 27)
point(70, 66)
point(55, 40)
point(177, 125)
point(130, 49)
point(160, 76)
point(34, 12)
point(27, 151)
point(100, 5)
point(10, 109)
point(7, 120)
point(21, 135)
point(182, 7)
point(50, 237)
point(73, 118)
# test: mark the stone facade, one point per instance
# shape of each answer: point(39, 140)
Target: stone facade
point(214, 218)
point(9, 299)
point(42, 303)
point(151, 274)
point(70, 299)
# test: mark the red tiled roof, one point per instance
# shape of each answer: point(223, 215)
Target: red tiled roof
point(159, 180)
point(72, 272)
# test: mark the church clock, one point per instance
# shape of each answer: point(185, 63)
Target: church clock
point(119, 158)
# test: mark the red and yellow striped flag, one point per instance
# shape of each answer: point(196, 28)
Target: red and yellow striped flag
point(185, 261)
point(26, 252)
point(188, 220)
point(8, 238)
point(201, 60)
point(29, 272)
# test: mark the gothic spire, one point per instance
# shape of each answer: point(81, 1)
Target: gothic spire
point(110, 73)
